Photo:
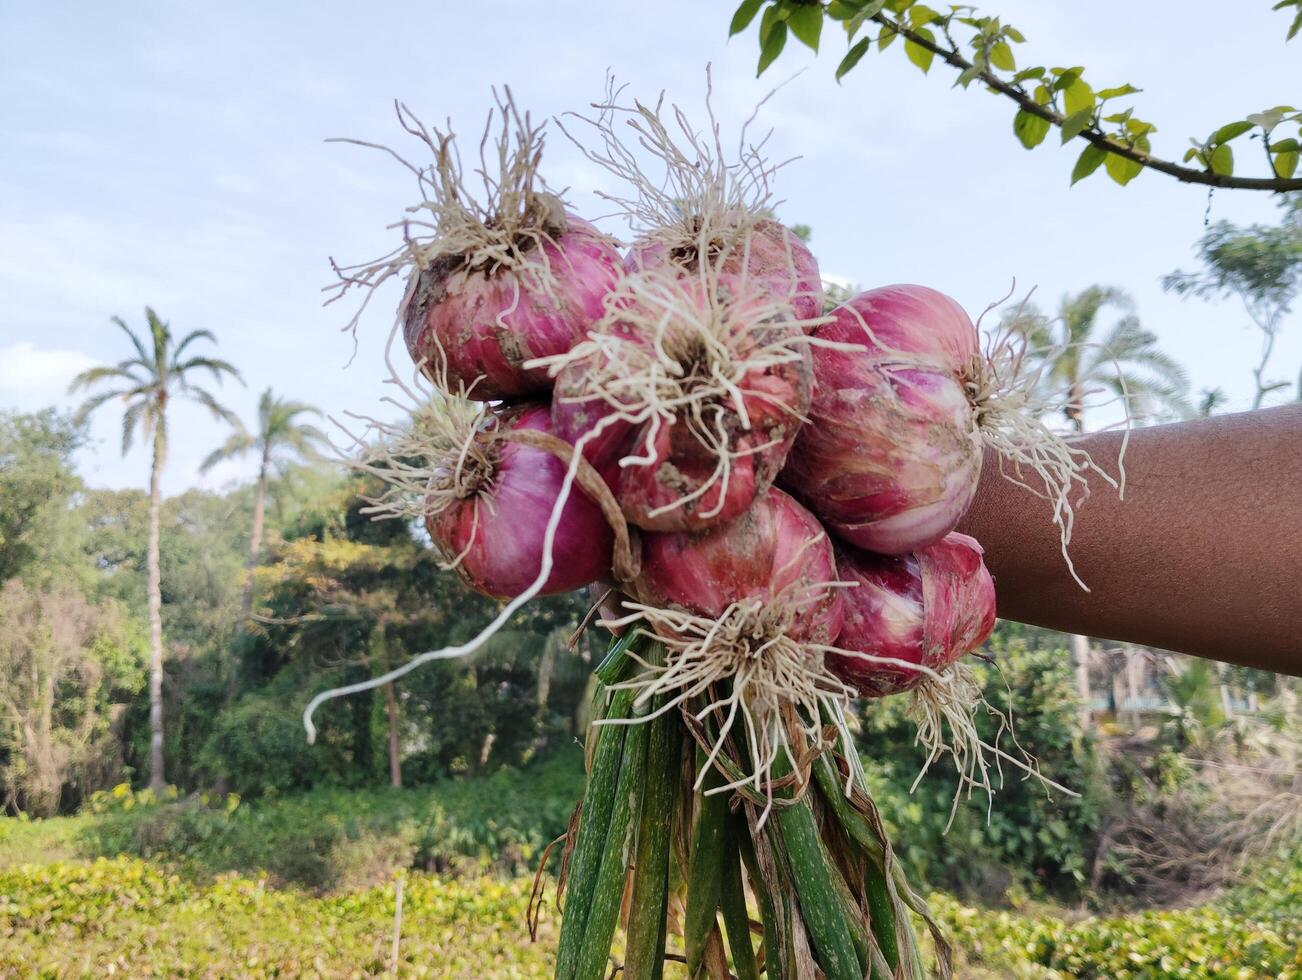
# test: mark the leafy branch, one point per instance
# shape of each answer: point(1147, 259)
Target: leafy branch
point(1046, 97)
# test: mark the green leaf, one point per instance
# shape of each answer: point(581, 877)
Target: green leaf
point(772, 47)
point(1001, 56)
point(1190, 154)
point(852, 57)
point(920, 14)
point(1122, 170)
point(1076, 123)
point(968, 76)
point(885, 38)
point(920, 56)
point(1014, 35)
point(1230, 131)
point(1026, 73)
point(1284, 146)
point(1286, 163)
point(1222, 160)
point(1077, 96)
point(743, 16)
point(1087, 162)
point(1116, 93)
point(1030, 128)
point(773, 16)
point(806, 22)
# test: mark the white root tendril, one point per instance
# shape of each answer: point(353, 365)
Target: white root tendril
point(1008, 387)
point(499, 224)
point(752, 670)
point(419, 401)
point(944, 707)
point(701, 344)
point(697, 192)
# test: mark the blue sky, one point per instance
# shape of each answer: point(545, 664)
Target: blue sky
point(173, 155)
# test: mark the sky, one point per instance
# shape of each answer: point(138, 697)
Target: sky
point(174, 155)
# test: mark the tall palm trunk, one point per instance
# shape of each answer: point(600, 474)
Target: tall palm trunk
point(255, 552)
point(157, 778)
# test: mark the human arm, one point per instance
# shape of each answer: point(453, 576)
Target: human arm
point(1203, 556)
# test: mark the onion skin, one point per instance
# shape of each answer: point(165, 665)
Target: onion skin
point(504, 523)
point(775, 545)
point(929, 608)
point(775, 399)
point(774, 258)
point(488, 324)
point(892, 453)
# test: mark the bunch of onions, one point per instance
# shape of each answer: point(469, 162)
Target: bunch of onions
point(793, 482)
point(686, 397)
point(905, 403)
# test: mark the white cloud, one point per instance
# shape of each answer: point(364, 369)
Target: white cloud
point(38, 375)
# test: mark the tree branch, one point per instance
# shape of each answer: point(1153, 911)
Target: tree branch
point(952, 57)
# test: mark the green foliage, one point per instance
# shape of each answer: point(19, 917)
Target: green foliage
point(258, 745)
point(37, 483)
point(1025, 835)
point(129, 917)
point(1206, 942)
point(981, 48)
point(333, 837)
point(126, 914)
point(1259, 264)
point(64, 664)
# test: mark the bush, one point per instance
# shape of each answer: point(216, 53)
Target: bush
point(334, 838)
point(258, 746)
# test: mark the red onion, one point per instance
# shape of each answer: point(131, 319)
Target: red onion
point(487, 321)
point(767, 254)
point(488, 512)
point(775, 551)
point(689, 401)
point(928, 608)
point(892, 452)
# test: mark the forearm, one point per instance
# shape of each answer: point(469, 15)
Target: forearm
point(1203, 556)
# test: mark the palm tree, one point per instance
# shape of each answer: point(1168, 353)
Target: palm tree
point(280, 440)
point(146, 382)
point(1080, 357)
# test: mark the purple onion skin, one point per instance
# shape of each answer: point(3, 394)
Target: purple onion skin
point(775, 399)
point(777, 260)
point(891, 454)
point(508, 520)
point(929, 608)
point(490, 324)
point(774, 545)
